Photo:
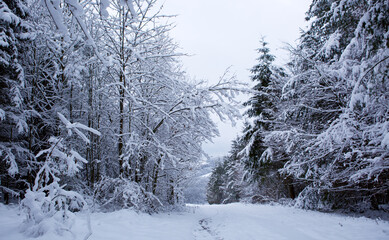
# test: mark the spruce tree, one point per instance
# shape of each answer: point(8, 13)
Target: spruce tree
point(215, 189)
point(13, 111)
point(263, 107)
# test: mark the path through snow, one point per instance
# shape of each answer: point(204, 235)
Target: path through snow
point(216, 222)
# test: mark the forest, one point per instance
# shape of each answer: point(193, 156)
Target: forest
point(316, 134)
point(97, 113)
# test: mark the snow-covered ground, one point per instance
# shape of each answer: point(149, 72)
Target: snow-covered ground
point(216, 222)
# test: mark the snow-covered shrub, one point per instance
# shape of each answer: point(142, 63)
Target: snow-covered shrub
point(117, 193)
point(287, 202)
point(261, 199)
point(48, 206)
point(313, 199)
point(50, 209)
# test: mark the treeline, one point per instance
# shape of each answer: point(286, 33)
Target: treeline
point(318, 129)
point(94, 108)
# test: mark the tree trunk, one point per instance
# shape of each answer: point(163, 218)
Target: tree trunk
point(122, 81)
point(155, 177)
point(90, 150)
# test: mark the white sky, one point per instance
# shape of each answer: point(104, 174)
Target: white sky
point(224, 33)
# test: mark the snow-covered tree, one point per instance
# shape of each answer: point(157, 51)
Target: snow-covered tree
point(14, 112)
point(110, 66)
point(324, 133)
point(159, 118)
point(264, 158)
point(339, 102)
point(216, 185)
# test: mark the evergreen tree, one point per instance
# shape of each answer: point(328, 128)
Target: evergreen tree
point(263, 110)
point(14, 112)
point(322, 132)
point(337, 106)
point(216, 185)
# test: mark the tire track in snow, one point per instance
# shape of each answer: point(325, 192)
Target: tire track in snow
point(205, 228)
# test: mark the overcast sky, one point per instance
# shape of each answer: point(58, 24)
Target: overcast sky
point(224, 33)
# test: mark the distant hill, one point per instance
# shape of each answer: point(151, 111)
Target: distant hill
point(195, 192)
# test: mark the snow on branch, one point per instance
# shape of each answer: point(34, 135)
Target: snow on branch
point(53, 6)
point(7, 15)
point(130, 6)
point(7, 156)
point(2, 115)
point(221, 96)
point(55, 11)
point(48, 201)
point(75, 127)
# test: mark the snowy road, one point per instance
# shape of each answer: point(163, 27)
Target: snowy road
point(218, 222)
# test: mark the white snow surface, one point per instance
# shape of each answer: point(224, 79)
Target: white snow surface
point(211, 222)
